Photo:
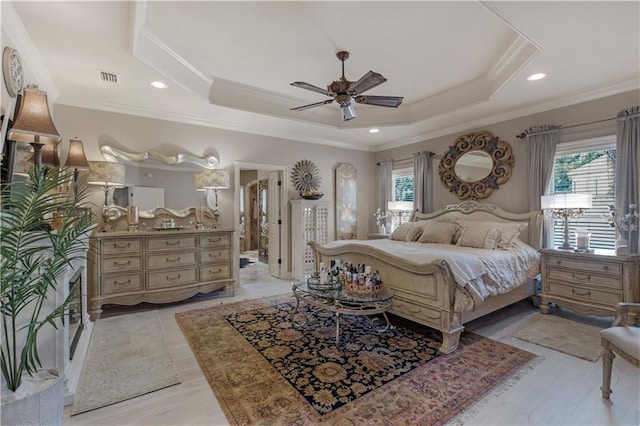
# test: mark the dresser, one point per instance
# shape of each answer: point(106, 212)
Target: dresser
point(127, 268)
point(310, 221)
point(589, 283)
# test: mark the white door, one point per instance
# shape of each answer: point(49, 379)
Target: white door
point(274, 217)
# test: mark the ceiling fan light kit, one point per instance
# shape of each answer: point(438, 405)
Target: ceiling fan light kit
point(344, 91)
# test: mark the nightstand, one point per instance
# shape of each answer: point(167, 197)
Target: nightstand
point(589, 283)
point(377, 236)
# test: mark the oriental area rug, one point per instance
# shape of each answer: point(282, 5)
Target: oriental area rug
point(265, 371)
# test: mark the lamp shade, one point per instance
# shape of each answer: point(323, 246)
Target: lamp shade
point(400, 205)
point(212, 179)
point(106, 173)
point(33, 124)
point(50, 155)
point(76, 157)
point(565, 201)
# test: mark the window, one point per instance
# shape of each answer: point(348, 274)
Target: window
point(402, 188)
point(587, 167)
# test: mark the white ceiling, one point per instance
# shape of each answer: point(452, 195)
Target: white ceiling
point(230, 64)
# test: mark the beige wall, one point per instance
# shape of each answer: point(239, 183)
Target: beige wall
point(513, 195)
point(136, 134)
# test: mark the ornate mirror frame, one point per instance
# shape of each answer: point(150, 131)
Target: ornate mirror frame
point(500, 153)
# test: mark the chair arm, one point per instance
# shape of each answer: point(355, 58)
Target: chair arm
point(622, 310)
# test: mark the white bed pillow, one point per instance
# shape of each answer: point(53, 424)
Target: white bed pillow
point(478, 237)
point(437, 232)
point(409, 231)
point(509, 231)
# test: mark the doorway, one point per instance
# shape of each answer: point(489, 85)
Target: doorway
point(261, 215)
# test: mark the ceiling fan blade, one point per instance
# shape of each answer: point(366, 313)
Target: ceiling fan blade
point(366, 82)
point(385, 101)
point(301, 108)
point(303, 85)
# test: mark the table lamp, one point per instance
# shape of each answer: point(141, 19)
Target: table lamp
point(565, 206)
point(108, 175)
point(212, 179)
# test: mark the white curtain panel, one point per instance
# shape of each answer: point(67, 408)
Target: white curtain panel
point(627, 163)
point(423, 181)
point(541, 146)
point(385, 183)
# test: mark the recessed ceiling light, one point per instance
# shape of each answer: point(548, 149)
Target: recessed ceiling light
point(158, 85)
point(537, 76)
point(374, 130)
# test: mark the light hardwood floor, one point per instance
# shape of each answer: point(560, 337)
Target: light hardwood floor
point(559, 390)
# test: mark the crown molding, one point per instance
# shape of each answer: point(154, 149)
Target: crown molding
point(31, 58)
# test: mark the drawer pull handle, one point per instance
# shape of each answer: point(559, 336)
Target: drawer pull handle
point(169, 260)
point(605, 267)
point(117, 246)
point(170, 278)
point(215, 272)
point(217, 240)
point(175, 243)
point(576, 293)
point(216, 254)
point(579, 277)
point(558, 262)
point(127, 263)
point(127, 282)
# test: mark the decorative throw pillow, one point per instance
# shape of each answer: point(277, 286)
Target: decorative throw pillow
point(409, 231)
point(477, 237)
point(509, 231)
point(437, 232)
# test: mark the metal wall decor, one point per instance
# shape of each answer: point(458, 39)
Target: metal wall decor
point(476, 165)
point(306, 178)
point(113, 154)
point(346, 211)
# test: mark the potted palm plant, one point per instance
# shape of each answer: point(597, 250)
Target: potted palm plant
point(33, 256)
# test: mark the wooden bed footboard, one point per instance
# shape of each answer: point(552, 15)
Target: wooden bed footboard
point(421, 293)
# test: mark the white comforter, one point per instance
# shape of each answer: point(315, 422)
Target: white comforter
point(479, 273)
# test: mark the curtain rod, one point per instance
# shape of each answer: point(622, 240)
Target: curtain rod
point(429, 153)
point(524, 134)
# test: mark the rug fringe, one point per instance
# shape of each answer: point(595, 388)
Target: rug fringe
point(465, 416)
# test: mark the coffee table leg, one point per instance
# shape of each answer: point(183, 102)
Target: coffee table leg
point(337, 328)
point(295, 311)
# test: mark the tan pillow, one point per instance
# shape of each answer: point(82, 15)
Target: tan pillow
point(409, 231)
point(437, 232)
point(477, 237)
point(509, 231)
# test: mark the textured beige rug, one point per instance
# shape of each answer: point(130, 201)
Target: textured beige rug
point(128, 357)
point(565, 335)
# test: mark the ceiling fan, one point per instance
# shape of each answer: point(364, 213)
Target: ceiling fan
point(344, 91)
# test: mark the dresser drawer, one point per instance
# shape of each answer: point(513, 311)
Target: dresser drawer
point(171, 260)
point(584, 294)
point(215, 255)
point(170, 278)
point(215, 272)
point(120, 264)
point(171, 243)
point(593, 266)
point(215, 240)
point(120, 283)
point(582, 277)
point(124, 245)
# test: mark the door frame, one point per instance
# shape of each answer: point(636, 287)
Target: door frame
point(285, 270)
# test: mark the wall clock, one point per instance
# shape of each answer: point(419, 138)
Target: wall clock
point(12, 71)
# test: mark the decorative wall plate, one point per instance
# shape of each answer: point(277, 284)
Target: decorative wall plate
point(306, 178)
point(12, 71)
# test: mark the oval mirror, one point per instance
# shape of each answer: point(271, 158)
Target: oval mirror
point(476, 165)
point(473, 166)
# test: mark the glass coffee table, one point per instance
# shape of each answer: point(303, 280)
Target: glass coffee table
point(342, 303)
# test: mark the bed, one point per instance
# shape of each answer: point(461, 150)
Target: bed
point(444, 285)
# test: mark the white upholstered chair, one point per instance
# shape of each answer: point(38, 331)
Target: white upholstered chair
point(622, 339)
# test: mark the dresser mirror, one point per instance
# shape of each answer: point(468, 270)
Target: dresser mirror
point(476, 165)
point(156, 180)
